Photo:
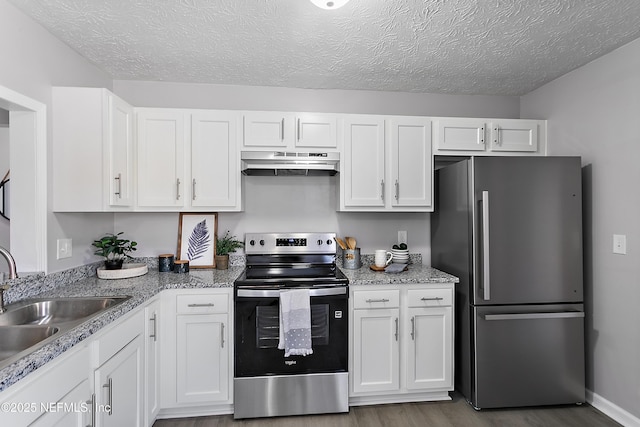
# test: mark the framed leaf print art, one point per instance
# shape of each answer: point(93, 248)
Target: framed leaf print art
point(197, 239)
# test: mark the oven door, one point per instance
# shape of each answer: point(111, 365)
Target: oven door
point(257, 333)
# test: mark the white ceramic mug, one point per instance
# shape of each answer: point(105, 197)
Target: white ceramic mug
point(381, 259)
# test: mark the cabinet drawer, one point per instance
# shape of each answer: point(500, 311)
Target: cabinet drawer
point(389, 298)
point(202, 304)
point(429, 297)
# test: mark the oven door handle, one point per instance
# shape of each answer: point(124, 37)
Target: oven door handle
point(275, 293)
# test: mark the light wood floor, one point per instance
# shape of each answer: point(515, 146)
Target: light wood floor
point(455, 413)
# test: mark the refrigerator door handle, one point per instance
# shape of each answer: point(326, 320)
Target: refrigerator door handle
point(527, 316)
point(486, 279)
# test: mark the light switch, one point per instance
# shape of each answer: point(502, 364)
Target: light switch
point(620, 244)
point(64, 248)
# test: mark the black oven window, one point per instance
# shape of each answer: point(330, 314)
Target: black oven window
point(268, 325)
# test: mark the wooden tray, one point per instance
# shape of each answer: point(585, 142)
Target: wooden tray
point(127, 271)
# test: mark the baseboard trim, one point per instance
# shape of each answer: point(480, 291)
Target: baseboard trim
point(612, 410)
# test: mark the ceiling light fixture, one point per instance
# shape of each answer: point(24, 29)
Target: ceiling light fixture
point(330, 4)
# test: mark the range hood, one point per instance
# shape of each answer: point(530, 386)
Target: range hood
point(277, 163)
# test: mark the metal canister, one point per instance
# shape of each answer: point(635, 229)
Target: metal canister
point(351, 259)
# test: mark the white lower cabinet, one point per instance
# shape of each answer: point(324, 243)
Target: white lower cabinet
point(197, 349)
point(401, 343)
point(152, 361)
point(118, 377)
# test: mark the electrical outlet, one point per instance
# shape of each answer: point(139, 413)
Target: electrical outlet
point(620, 244)
point(402, 236)
point(64, 248)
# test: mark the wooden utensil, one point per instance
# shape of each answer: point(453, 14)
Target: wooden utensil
point(351, 242)
point(340, 243)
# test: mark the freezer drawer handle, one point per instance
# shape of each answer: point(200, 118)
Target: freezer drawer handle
point(525, 316)
point(486, 279)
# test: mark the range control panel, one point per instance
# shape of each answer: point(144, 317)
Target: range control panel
point(290, 243)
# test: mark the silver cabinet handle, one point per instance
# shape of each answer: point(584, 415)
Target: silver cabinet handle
point(397, 329)
point(109, 385)
point(209, 304)
point(382, 190)
point(397, 190)
point(177, 188)
point(496, 135)
point(119, 181)
point(377, 300)
point(482, 135)
point(298, 130)
point(282, 129)
point(193, 189)
point(92, 402)
point(529, 316)
point(486, 277)
point(413, 328)
point(154, 335)
point(222, 335)
point(431, 299)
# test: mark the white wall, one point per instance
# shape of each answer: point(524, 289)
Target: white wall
point(594, 112)
point(32, 62)
point(294, 204)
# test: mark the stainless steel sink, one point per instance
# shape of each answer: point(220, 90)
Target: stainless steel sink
point(15, 339)
point(28, 325)
point(56, 310)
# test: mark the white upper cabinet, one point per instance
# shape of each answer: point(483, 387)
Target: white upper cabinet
point(386, 164)
point(161, 178)
point(93, 149)
point(467, 136)
point(287, 131)
point(514, 135)
point(411, 162)
point(188, 160)
point(215, 176)
point(362, 174)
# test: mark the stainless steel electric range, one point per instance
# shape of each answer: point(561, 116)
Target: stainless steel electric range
point(265, 382)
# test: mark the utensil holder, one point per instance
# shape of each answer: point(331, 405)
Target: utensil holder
point(351, 259)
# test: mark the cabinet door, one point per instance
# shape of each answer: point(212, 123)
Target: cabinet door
point(118, 388)
point(376, 350)
point(119, 146)
point(514, 135)
point(152, 362)
point(214, 165)
point(460, 134)
point(202, 358)
point(316, 130)
point(411, 162)
point(430, 348)
point(268, 129)
point(363, 166)
point(73, 410)
point(160, 158)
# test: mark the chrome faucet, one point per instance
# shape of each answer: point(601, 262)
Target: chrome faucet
point(12, 274)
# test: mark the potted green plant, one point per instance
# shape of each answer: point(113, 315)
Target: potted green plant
point(114, 250)
point(224, 246)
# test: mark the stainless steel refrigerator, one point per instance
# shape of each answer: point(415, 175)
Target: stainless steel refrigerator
point(511, 229)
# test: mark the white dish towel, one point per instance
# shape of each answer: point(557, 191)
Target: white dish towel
point(295, 323)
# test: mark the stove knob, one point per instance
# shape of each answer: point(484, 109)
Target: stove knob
point(319, 242)
point(329, 242)
point(261, 242)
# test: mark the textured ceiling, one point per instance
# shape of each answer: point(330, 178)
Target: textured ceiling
point(502, 47)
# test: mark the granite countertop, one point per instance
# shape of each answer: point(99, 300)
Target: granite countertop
point(143, 288)
point(416, 273)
